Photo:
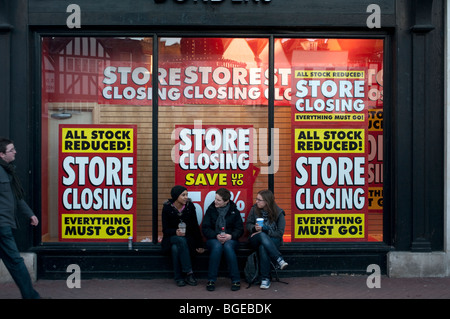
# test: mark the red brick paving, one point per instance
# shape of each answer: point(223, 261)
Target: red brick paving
point(326, 287)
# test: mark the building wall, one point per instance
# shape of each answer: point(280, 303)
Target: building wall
point(416, 198)
point(417, 261)
point(447, 140)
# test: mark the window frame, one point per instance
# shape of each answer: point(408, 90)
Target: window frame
point(274, 34)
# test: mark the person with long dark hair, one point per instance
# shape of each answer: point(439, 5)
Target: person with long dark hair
point(267, 239)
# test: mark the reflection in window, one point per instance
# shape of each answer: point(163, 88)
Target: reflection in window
point(73, 74)
point(331, 54)
point(212, 82)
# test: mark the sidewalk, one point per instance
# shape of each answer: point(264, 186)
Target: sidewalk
point(326, 287)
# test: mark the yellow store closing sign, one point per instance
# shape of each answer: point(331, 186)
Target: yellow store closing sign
point(329, 226)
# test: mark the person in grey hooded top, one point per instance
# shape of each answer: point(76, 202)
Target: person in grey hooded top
point(12, 204)
point(267, 239)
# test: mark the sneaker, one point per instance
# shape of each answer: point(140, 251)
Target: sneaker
point(282, 264)
point(211, 286)
point(235, 286)
point(265, 284)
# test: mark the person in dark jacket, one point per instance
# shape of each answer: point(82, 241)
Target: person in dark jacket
point(182, 244)
point(12, 204)
point(267, 239)
point(222, 226)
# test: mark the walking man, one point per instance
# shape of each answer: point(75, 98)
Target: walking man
point(12, 203)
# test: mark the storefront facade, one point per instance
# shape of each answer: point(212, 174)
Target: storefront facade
point(338, 108)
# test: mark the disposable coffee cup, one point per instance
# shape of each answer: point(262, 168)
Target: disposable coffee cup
point(182, 227)
point(260, 221)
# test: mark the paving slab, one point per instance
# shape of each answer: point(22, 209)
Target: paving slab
point(323, 287)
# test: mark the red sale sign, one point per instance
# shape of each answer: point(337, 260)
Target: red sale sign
point(329, 96)
point(189, 82)
point(211, 157)
point(97, 182)
point(329, 154)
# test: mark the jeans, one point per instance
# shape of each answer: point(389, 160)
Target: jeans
point(181, 256)
point(15, 264)
point(267, 248)
point(216, 249)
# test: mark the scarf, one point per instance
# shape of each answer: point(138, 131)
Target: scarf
point(270, 226)
point(220, 222)
point(15, 182)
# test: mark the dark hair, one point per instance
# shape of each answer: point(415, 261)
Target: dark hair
point(224, 193)
point(4, 142)
point(271, 206)
point(177, 191)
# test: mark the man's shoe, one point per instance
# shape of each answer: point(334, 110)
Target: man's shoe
point(235, 286)
point(211, 286)
point(190, 280)
point(180, 282)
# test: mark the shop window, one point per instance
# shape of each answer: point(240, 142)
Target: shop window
point(96, 91)
point(213, 89)
point(330, 177)
point(213, 131)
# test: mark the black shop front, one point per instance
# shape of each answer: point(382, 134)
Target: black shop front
point(336, 106)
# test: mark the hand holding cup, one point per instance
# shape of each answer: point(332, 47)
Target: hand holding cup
point(259, 224)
